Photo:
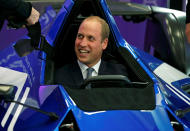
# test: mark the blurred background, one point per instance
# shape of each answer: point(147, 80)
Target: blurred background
point(130, 32)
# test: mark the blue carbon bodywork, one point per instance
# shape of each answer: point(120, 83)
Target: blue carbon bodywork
point(54, 98)
point(116, 119)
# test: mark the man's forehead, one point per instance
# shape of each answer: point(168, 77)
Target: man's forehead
point(91, 22)
point(90, 27)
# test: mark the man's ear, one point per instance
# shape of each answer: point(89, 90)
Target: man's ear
point(105, 43)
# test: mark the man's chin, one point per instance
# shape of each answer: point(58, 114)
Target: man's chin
point(84, 61)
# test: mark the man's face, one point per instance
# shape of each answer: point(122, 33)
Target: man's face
point(88, 44)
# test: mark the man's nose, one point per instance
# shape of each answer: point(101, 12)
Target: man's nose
point(83, 42)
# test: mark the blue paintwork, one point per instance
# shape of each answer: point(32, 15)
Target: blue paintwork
point(60, 20)
point(53, 32)
point(48, 97)
point(54, 98)
point(181, 82)
point(137, 120)
point(149, 60)
point(173, 101)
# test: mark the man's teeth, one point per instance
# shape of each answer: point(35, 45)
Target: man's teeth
point(84, 51)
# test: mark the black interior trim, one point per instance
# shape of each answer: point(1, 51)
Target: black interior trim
point(98, 99)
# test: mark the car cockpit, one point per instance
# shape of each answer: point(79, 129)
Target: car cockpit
point(64, 43)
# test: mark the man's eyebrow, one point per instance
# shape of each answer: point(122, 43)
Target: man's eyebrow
point(91, 36)
point(80, 34)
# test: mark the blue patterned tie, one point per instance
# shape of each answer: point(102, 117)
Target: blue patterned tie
point(89, 72)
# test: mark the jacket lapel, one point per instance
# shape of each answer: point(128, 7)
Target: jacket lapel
point(102, 68)
point(76, 74)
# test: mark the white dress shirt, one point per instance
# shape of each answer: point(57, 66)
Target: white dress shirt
point(84, 68)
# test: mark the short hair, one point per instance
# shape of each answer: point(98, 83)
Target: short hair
point(105, 31)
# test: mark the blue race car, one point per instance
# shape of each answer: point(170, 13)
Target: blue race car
point(157, 98)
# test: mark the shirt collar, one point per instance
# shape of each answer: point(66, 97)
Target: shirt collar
point(96, 67)
point(83, 67)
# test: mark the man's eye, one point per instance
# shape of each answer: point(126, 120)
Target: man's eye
point(80, 36)
point(91, 38)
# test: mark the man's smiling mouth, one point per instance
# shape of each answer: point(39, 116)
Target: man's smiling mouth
point(83, 51)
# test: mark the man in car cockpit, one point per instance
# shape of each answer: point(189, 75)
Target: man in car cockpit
point(91, 41)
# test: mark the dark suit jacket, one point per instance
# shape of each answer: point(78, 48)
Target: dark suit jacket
point(71, 74)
